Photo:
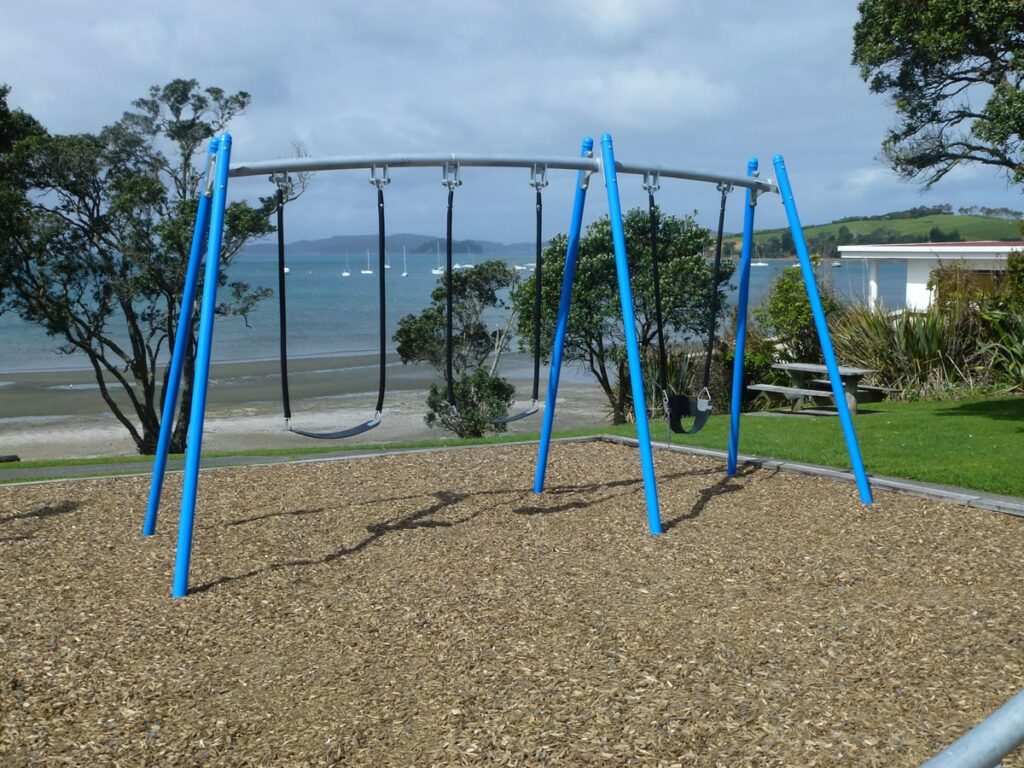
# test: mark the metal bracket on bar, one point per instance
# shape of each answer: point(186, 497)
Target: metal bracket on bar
point(381, 180)
point(587, 174)
point(724, 187)
point(754, 192)
point(210, 168)
point(539, 176)
point(450, 174)
point(652, 182)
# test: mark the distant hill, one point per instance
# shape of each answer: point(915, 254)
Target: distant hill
point(825, 238)
point(969, 227)
point(412, 243)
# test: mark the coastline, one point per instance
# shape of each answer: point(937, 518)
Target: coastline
point(60, 414)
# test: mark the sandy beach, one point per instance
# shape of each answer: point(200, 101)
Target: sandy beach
point(60, 414)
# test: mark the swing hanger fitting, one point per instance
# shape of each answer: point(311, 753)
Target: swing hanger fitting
point(652, 182)
point(539, 176)
point(382, 179)
point(724, 187)
point(450, 175)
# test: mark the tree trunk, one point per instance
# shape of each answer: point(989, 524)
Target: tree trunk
point(619, 404)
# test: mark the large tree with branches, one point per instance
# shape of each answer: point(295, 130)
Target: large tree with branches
point(95, 237)
point(953, 69)
point(595, 337)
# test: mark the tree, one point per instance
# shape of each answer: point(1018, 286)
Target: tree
point(15, 126)
point(481, 397)
point(595, 337)
point(786, 315)
point(953, 69)
point(95, 244)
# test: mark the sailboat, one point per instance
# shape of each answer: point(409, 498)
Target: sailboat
point(367, 271)
point(467, 265)
point(345, 272)
point(405, 268)
point(438, 270)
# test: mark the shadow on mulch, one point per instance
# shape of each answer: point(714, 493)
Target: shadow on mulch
point(410, 521)
point(444, 499)
point(41, 513)
point(269, 515)
point(582, 504)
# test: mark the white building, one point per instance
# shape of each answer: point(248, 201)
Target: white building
point(922, 259)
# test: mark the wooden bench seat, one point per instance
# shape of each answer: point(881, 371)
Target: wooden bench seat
point(792, 393)
point(866, 393)
point(795, 394)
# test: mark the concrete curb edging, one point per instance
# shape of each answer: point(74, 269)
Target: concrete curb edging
point(1009, 505)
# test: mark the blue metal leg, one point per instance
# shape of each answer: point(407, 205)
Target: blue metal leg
point(202, 373)
point(564, 300)
point(741, 322)
point(178, 357)
point(629, 328)
point(823, 335)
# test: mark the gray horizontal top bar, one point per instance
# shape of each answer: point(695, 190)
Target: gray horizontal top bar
point(309, 164)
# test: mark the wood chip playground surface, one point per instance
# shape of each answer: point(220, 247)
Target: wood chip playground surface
point(428, 609)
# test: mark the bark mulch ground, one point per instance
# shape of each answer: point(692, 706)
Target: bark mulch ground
point(430, 610)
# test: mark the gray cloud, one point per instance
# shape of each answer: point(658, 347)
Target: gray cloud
point(692, 83)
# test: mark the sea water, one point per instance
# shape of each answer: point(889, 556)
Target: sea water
point(332, 315)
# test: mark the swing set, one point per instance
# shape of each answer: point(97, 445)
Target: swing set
point(208, 236)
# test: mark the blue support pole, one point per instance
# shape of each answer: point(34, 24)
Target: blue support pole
point(562, 325)
point(643, 432)
point(188, 295)
point(822, 327)
point(202, 372)
point(741, 322)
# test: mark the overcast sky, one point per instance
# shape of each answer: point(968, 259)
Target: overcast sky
point(699, 84)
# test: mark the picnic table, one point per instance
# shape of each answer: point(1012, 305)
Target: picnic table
point(810, 381)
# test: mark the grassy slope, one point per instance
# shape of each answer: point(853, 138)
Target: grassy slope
point(970, 227)
point(970, 443)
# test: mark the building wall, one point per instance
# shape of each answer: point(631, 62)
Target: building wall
point(920, 270)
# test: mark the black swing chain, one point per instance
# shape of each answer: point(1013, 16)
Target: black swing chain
point(716, 273)
point(450, 180)
point(538, 181)
point(651, 185)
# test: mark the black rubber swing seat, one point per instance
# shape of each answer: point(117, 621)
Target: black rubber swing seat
point(680, 406)
point(516, 417)
point(366, 426)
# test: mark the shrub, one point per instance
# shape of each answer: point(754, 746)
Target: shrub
point(786, 315)
point(923, 354)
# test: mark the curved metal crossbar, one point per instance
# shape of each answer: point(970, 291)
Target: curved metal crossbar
point(586, 164)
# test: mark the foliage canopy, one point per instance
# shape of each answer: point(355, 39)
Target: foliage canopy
point(96, 233)
point(595, 336)
point(481, 397)
point(953, 69)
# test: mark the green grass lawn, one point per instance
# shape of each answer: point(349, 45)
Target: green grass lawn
point(975, 443)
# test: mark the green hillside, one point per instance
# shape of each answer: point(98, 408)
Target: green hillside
point(934, 227)
point(969, 227)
